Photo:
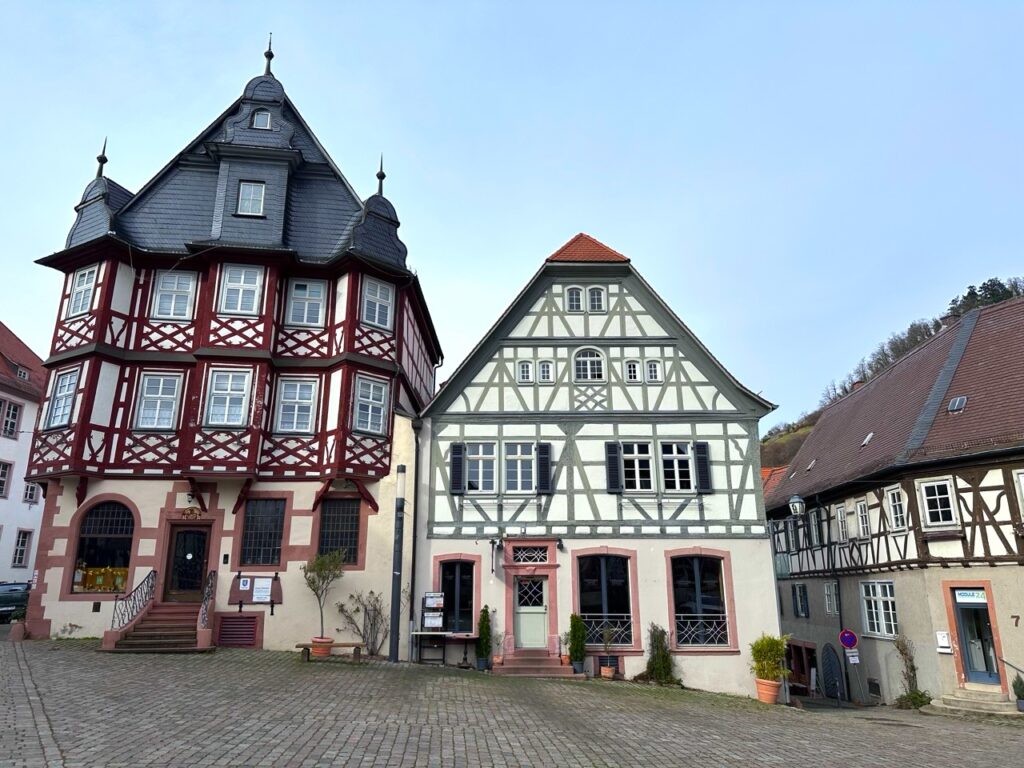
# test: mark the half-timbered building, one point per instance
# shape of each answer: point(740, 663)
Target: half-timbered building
point(238, 354)
point(590, 455)
point(906, 520)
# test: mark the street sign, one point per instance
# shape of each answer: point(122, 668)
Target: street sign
point(853, 656)
point(848, 639)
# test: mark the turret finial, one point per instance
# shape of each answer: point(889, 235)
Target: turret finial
point(269, 55)
point(381, 176)
point(101, 158)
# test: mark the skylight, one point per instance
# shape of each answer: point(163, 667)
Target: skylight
point(867, 439)
point(811, 465)
point(957, 404)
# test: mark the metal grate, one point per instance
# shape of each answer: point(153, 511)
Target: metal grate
point(702, 629)
point(618, 627)
point(108, 519)
point(531, 593)
point(237, 631)
point(261, 532)
point(530, 554)
point(339, 527)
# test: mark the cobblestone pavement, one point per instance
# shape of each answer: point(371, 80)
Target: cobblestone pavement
point(65, 704)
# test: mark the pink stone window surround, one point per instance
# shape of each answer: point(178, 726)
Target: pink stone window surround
point(477, 605)
point(636, 649)
point(732, 647)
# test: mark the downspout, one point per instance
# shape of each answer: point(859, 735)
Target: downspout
point(417, 424)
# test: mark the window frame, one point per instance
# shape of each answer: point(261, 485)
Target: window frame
point(30, 493)
point(71, 396)
point(279, 403)
point(460, 562)
point(601, 362)
point(638, 457)
point(342, 505)
point(384, 405)
point(675, 459)
point(254, 184)
point(842, 524)
point(22, 373)
point(813, 527)
point(270, 120)
point(603, 293)
point(524, 372)
point(246, 416)
point(638, 379)
point(863, 512)
point(121, 522)
point(519, 461)
point(896, 489)
point(728, 604)
point(831, 597)
point(477, 460)
point(225, 286)
point(76, 290)
point(540, 371)
point(141, 397)
point(292, 298)
point(390, 303)
point(9, 426)
point(801, 600)
point(878, 600)
point(6, 477)
point(951, 493)
point(154, 303)
point(568, 304)
point(653, 365)
point(24, 547)
point(243, 539)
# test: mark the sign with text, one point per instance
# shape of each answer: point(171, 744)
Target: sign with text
point(261, 589)
point(853, 656)
point(848, 639)
point(433, 620)
point(970, 596)
point(433, 600)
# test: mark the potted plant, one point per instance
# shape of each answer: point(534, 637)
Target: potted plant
point(483, 639)
point(499, 648)
point(1018, 691)
point(768, 655)
point(320, 574)
point(18, 632)
point(577, 642)
point(563, 648)
point(607, 672)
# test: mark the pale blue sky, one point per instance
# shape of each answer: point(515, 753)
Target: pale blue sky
point(797, 180)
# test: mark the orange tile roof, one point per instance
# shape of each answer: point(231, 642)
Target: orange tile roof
point(771, 477)
point(583, 248)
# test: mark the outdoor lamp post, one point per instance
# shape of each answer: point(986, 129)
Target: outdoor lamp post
point(796, 505)
point(396, 569)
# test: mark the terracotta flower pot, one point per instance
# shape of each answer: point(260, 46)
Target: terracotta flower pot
point(321, 646)
point(608, 673)
point(767, 690)
point(565, 659)
point(497, 659)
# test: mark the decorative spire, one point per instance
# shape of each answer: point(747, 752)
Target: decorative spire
point(269, 55)
point(101, 158)
point(381, 176)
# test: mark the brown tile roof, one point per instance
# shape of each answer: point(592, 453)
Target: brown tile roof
point(14, 354)
point(904, 409)
point(771, 477)
point(584, 248)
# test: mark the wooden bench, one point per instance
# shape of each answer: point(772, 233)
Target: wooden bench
point(357, 649)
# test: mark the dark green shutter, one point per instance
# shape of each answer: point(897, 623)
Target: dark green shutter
point(703, 460)
point(613, 462)
point(544, 479)
point(458, 469)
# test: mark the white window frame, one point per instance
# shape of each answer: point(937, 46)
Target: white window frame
point(142, 397)
point(600, 360)
point(524, 372)
point(233, 278)
point(568, 304)
point(842, 524)
point(22, 546)
point(802, 609)
point(479, 456)
point(30, 495)
point(62, 395)
point(82, 292)
point(878, 609)
point(792, 545)
point(652, 372)
point(922, 493)
point(378, 302)
point(217, 374)
point(520, 467)
point(626, 377)
point(593, 291)
point(23, 373)
point(813, 524)
point(831, 598)
point(6, 476)
point(250, 200)
point(307, 301)
point(296, 403)
point(376, 408)
point(9, 423)
point(550, 377)
point(896, 491)
point(676, 459)
point(863, 519)
point(174, 293)
point(270, 120)
point(631, 466)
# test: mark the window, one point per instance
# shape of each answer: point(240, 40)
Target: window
point(378, 299)
point(595, 299)
point(62, 398)
point(604, 599)
point(636, 466)
point(574, 300)
point(524, 372)
point(480, 467)
point(339, 528)
point(250, 198)
point(158, 401)
point(306, 302)
point(371, 405)
point(173, 295)
point(841, 527)
point(589, 365)
point(519, 467)
point(546, 372)
point(863, 520)
point(21, 548)
point(228, 399)
point(632, 371)
point(698, 594)
point(31, 493)
point(897, 512)
point(957, 404)
point(879, 601)
point(104, 549)
point(240, 291)
point(296, 405)
point(653, 371)
point(5, 478)
point(812, 523)
point(262, 530)
point(23, 373)
point(792, 545)
point(11, 414)
point(801, 607)
point(81, 291)
point(675, 466)
point(457, 586)
point(261, 119)
point(938, 503)
point(832, 598)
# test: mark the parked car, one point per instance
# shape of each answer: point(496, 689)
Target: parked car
point(13, 597)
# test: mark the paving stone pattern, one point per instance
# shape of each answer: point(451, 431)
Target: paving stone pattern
point(65, 704)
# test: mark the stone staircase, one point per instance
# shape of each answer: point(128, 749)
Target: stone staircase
point(537, 663)
point(164, 628)
point(985, 700)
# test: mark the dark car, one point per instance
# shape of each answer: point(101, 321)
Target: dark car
point(13, 597)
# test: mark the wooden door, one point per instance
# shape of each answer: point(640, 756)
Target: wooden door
point(186, 565)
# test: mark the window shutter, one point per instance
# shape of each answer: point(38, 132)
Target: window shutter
point(613, 462)
point(544, 479)
point(458, 469)
point(796, 601)
point(703, 461)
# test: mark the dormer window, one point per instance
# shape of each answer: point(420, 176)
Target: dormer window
point(23, 373)
point(250, 198)
point(81, 291)
point(261, 119)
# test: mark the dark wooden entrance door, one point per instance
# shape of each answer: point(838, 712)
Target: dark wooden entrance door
point(186, 565)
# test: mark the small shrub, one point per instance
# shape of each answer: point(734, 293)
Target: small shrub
point(18, 615)
point(368, 619)
point(1018, 687)
point(659, 661)
point(577, 638)
point(483, 634)
point(904, 647)
point(913, 700)
point(320, 573)
point(769, 657)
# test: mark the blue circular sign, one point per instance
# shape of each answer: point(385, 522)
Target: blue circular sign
point(848, 638)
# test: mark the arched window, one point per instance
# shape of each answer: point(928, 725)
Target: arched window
point(574, 300)
point(589, 365)
point(698, 593)
point(546, 372)
point(596, 299)
point(524, 372)
point(261, 119)
point(632, 371)
point(653, 371)
point(104, 549)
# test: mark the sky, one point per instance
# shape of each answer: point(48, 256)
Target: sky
point(797, 180)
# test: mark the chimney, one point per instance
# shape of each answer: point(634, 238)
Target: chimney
point(856, 385)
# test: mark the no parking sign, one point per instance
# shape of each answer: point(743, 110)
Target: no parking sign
point(848, 639)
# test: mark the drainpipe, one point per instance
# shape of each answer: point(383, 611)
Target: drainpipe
point(396, 571)
point(417, 425)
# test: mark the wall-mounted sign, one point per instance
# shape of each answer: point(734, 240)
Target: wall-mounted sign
point(970, 596)
point(943, 643)
point(245, 583)
point(848, 639)
point(261, 589)
point(433, 600)
point(853, 655)
point(433, 620)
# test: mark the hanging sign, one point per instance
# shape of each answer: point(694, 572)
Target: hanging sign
point(261, 589)
point(433, 600)
point(970, 596)
point(848, 639)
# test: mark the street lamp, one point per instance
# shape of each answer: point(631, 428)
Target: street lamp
point(796, 505)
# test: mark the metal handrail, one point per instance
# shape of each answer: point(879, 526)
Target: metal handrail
point(131, 605)
point(209, 591)
point(1012, 666)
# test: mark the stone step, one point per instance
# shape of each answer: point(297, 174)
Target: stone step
point(970, 705)
point(156, 642)
point(161, 650)
point(171, 634)
point(938, 708)
point(161, 624)
point(977, 694)
point(563, 672)
point(532, 661)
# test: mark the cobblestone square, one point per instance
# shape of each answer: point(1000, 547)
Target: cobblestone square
point(66, 704)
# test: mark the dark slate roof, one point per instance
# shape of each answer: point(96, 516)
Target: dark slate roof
point(905, 408)
point(14, 353)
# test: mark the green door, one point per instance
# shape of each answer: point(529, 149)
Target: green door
point(531, 620)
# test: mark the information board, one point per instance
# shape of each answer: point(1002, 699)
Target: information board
point(261, 589)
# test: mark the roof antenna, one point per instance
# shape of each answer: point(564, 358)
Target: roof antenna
point(101, 158)
point(381, 176)
point(269, 54)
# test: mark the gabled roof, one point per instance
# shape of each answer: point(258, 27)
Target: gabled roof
point(584, 248)
point(14, 354)
point(771, 477)
point(901, 417)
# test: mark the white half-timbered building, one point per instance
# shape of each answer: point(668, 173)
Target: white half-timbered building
point(591, 456)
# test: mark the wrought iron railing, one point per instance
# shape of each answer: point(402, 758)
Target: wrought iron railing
point(209, 595)
point(702, 629)
point(131, 605)
point(618, 626)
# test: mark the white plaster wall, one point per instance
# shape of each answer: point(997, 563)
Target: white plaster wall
point(15, 514)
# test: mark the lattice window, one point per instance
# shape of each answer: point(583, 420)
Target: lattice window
point(31, 493)
point(897, 511)
point(595, 298)
point(530, 592)
point(262, 531)
point(21, 549)
point(545, 372)
point(574, 300)
point(480, 469)
point(632, 371)
point(653, 371)
point(296, 405)
point(5, 478)
point(228, 399)
point(589, 365)
point(62, 399)
point(158, 401)
point(339, 528)
point(529, 554)
point(879, 602)
point(519, 467)
point(938, 503)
